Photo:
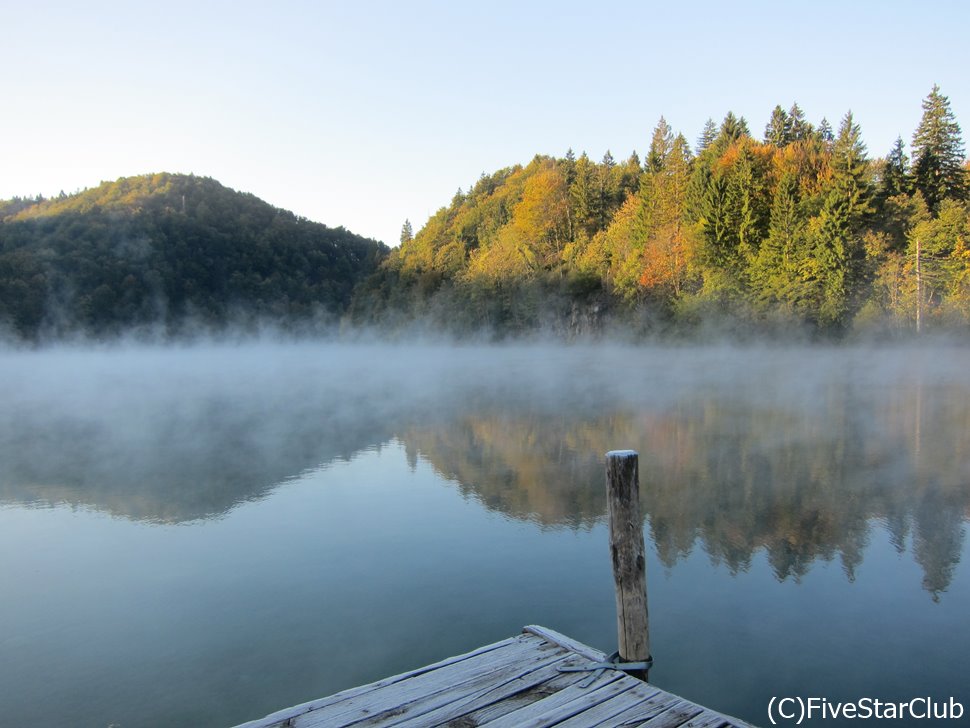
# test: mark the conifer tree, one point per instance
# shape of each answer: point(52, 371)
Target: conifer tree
point(778, 130)
point(660, 146)
point(407, 233)
point(938, 152)
point(850, 168)
point(607, 190)
point(708, 135)
point(582, 196)
point(732, 129)
point(825, 132)
point(799, 128)
point(895, 175)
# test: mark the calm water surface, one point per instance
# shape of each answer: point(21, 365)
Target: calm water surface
point(200, 536)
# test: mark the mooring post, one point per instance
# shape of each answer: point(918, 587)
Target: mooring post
point(629, 559)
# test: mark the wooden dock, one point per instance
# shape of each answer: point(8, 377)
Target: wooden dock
point(510, 684)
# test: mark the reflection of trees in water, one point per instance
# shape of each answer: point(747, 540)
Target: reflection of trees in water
point(801, 478)
point(802, 485)
point(175, 465)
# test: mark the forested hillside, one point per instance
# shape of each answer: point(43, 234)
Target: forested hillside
point(802, 227)
point(169, 253)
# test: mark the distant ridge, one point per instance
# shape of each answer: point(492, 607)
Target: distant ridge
point(168, 253)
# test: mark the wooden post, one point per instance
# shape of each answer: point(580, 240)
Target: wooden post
point(629, 560)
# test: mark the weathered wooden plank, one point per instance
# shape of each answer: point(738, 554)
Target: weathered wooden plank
point(563, 705)
point(707, 719)
point(477, 695)
point(280, 716)
point(680, 712)
point(651, 707)
point(482, 691)
point(521, 656)
point(606, 713)
point(565, 681)
point(557, 638)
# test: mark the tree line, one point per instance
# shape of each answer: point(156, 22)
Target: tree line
point(800, 227)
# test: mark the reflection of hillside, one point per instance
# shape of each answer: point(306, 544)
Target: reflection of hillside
point(537, 467)
point(174, 468)
point(804, 485)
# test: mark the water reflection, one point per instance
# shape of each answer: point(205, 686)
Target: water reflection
point(796, 461)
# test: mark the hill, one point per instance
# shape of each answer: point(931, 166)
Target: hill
point(170, 252)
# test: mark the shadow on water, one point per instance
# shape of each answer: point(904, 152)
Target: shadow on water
point(796, 454)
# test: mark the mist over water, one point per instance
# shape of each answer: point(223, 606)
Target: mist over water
point(227, 529)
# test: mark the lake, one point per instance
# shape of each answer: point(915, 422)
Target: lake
point(200, 535)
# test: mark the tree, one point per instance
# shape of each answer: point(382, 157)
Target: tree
point(850, 168)
point(778, 130)
point(608, 190)
point(800, 129)
point(938, 152)
point(732, 129)
point(407, 233)
point(660, 146)
point(895, 174)
point(583, 197)
point(825, 132)
point(775, 271)
point(708, 135)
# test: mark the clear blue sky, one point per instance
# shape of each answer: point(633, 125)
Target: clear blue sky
point(363, 114)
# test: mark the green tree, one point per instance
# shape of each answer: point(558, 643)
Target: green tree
point(661, 145)
point(895, 173)
point(938, 152)
point(778, 130)
point(583, 197)
point(407, 233)
point(708, 135)
point(800, 129)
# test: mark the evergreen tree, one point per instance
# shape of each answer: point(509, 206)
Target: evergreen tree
point(895, 175)
point(778, 130)
point(407, 233)
point(582, 197)
point(799, 128)
point(825, 132)
point(607, 202)
point(850, 168)
point(660, 146)
point(775, 272)
point(938, 152)
point(708, 135)
point(569, 167)
point(732, 129)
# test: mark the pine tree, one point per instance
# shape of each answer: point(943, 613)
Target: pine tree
point(569, 167)
point(895, 175)
point(582, 196)
point(825, 132)
point(850, 168)
point(407, 233)
point(775, 271)
point(938, 152)
point(660, 146)
point(778, 130)
point(800, 129)
point(732, 129)
point(708, 135)
point(607, 190)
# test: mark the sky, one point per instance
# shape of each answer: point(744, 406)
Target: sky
point(363, 114)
